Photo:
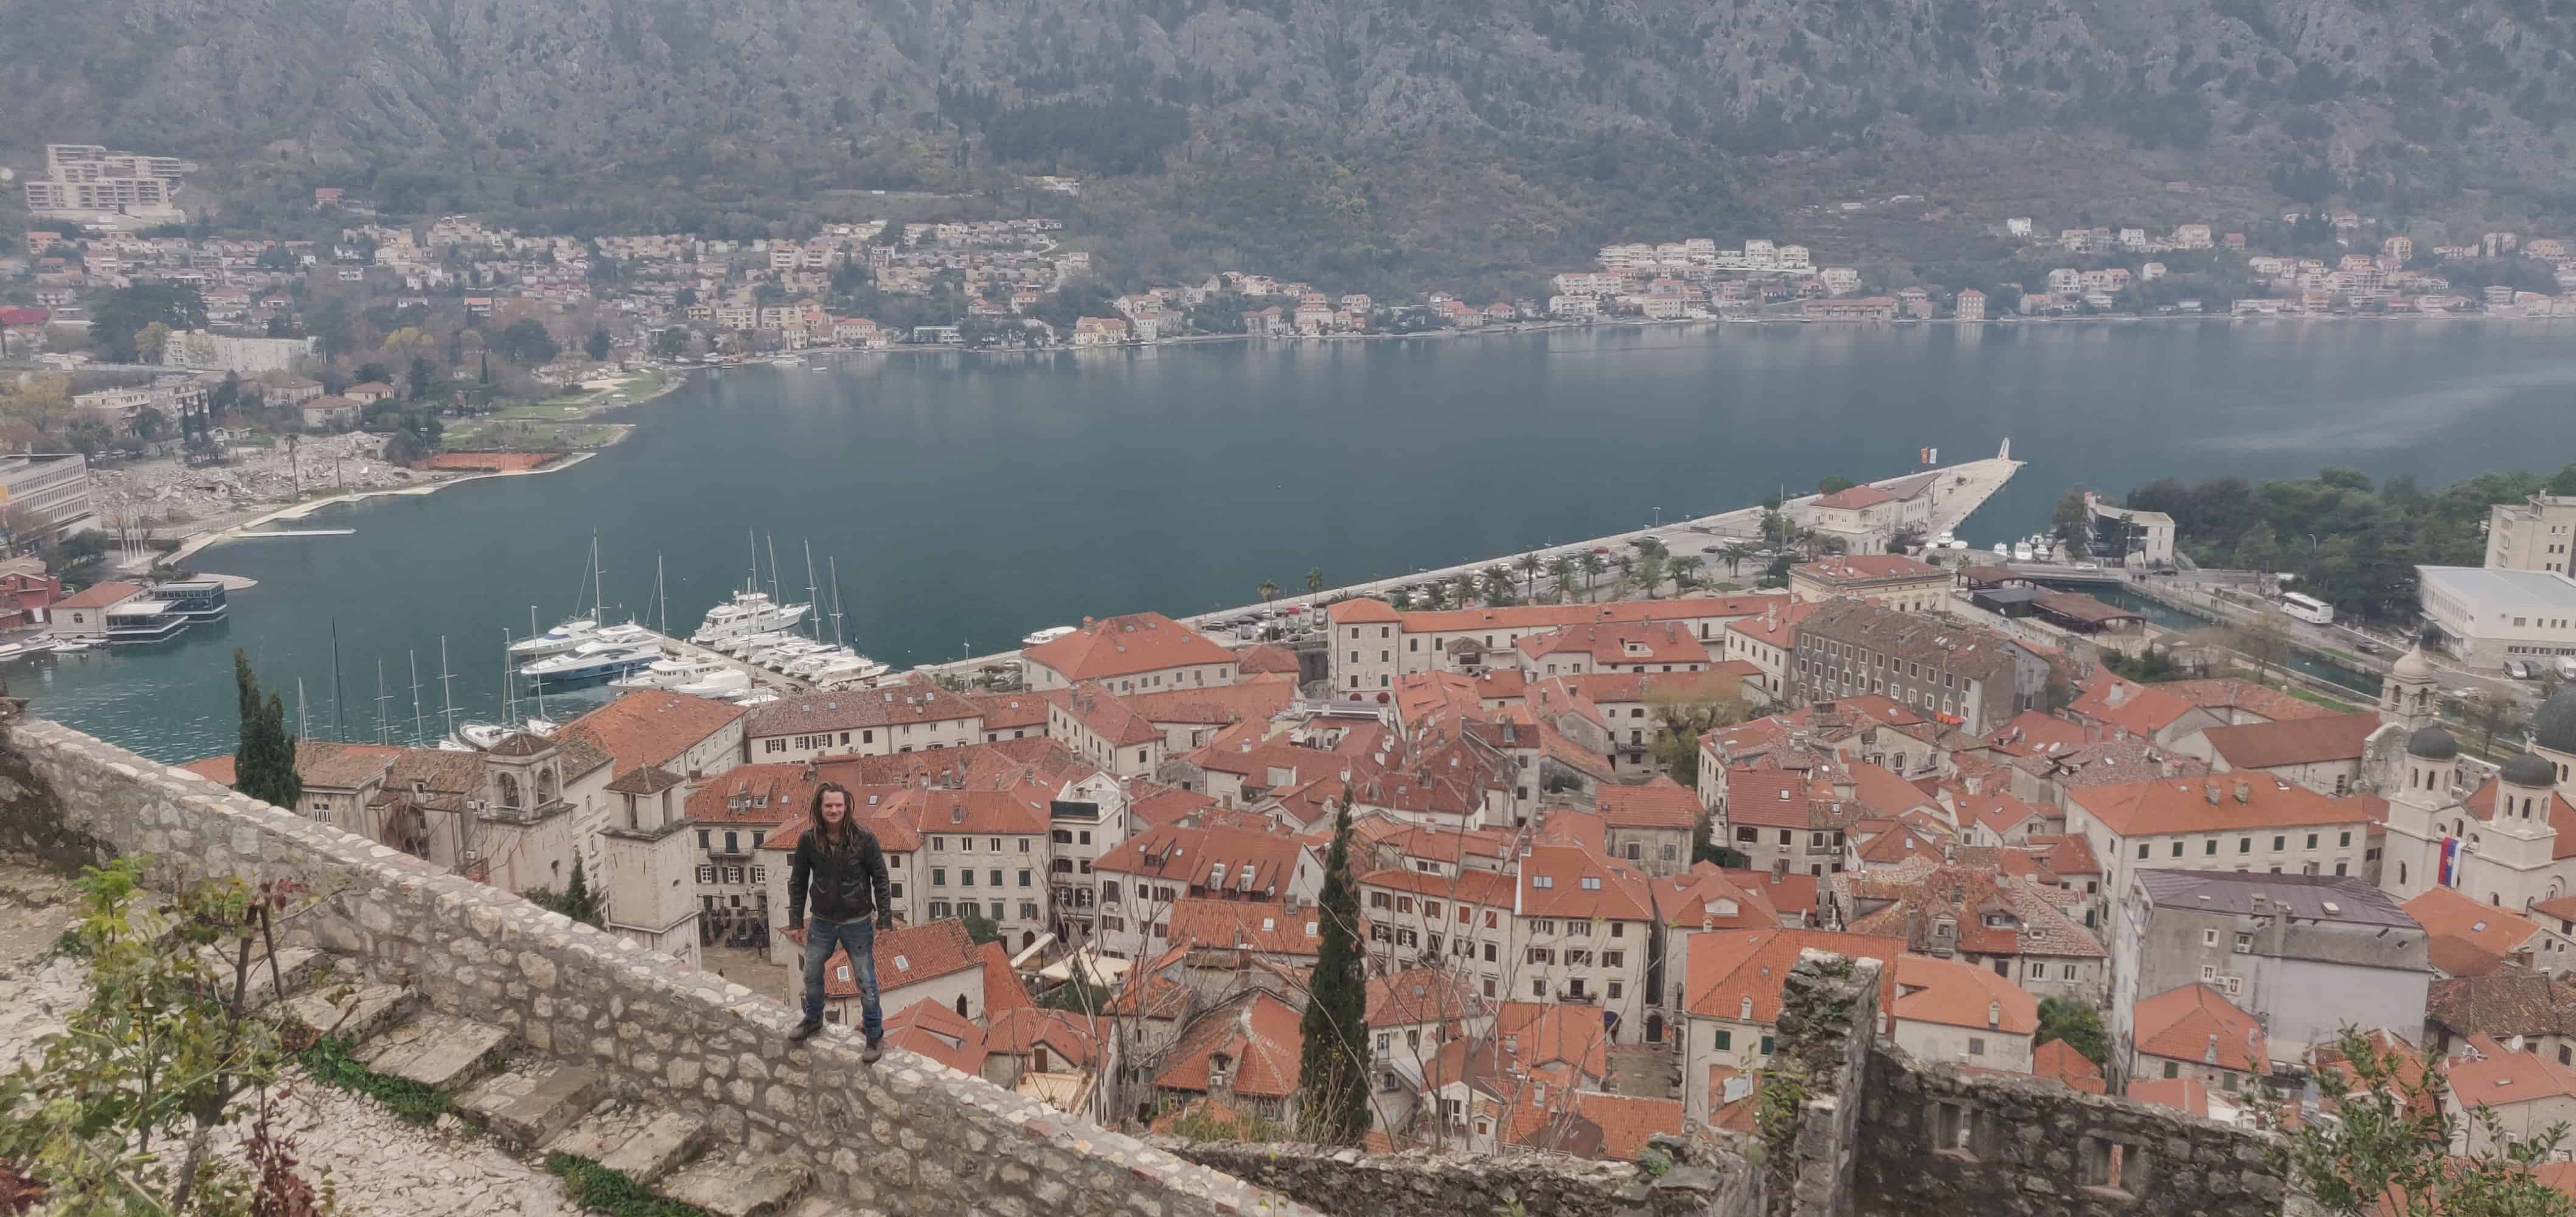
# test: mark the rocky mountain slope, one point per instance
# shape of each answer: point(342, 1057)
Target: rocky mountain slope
point(1518, 114)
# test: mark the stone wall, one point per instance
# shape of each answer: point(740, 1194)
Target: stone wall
point(1702, 1181)
point(1941, 1143)
point(1860, 1127)
point(906, 1136)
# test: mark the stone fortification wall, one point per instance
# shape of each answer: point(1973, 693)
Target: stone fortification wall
point(1701, 1181)
point(1862, 1128)
point(906, 1136)
point(1940, 1143)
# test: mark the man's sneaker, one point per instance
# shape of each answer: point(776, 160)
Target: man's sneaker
point(804, 1031)
point(870, 1055)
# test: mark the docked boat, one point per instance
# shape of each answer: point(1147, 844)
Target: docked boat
point(673, 671)
point(757, 697)
point(33, 646)
point(752, 644)
point(2002, 550)
point(556, 641)
point(849, 669)
point(483, 736)
point(1047, 635)
point(2021, 552)
point(815, 661)
point(724, 682)
point(591, 660)
point(778, 657)
point(748, 612)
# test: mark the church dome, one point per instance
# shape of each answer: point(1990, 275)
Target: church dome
point(2553, 725)
point(2413, 666)
point(2432, 744)
point(2529, 770)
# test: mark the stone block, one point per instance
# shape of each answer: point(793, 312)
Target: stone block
point(642, 1143)
point(435, 1050)
point(739, 1185)
point(355, 1014)
point(526, 1108)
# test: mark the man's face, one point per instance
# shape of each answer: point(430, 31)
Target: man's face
point(836, 807)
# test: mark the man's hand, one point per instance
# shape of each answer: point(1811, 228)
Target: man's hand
point(796, 925)
point(885, 921)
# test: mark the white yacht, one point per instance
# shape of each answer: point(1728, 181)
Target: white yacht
point(592, 659)
point(2021, 552)
point(673, 671)
point(810, 663)
point(1047, 635)
point(556, 641)
point(778, 657)
point(724, 682)
point(748, 613)
point(748, 644)
point(849, 669)
point(2002, 550)
point(481, 736)
point(757, 697)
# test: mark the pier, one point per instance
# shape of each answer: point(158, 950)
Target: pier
point(1957, 492)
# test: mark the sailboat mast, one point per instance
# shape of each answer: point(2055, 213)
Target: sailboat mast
point(384, 730)
point(299, 708)
point(751, 540)
point(509, 687)
point(446, 689)
point(773, 569)
point(813, 600)
point(339, 724)
point(661, 596)
point(418, 733)
point(835, 564)
point(598, 585)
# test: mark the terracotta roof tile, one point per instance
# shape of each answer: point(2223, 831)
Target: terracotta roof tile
point(1124, 646)
point(859, 709)
point(651, 726)
point(2295, 741)
point(1255, 925)
point(2058, 1061)
point(2197, 1023)
point(1256, 1033)
point(1017, 711)
point(2496, 931)
point(935, 1031)
point(1737, 974)
point(1954, 994)
point(1660, 803)
point(2164, 806)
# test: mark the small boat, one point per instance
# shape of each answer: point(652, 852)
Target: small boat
point(725, 682)
point(749, 644)
point(1047, 635)
point(63, 644)
point(2021, 552)
point(1956, 543)
point(482, 736)
point(808, 664)
point(37, 645)
point(672, 672)
point(776, 659)
point(2002, 550)
point(849, 668)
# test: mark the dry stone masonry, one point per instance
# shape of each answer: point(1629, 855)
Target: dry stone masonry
point(1692, 1179)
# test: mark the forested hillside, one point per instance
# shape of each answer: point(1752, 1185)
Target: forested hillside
point(1436, 137)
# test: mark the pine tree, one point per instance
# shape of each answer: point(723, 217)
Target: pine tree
point(1332, 1075)
point(579, 904)
point(264, 760)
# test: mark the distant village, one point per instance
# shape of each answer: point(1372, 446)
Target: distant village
point(1022, 283)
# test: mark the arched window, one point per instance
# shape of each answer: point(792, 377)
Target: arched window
point(961, 1005)
point(509, 790)
point(549, 788)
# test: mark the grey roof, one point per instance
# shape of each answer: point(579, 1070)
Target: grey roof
point(2433, 744)
point(2553, 725)
point(2529, 770)
point(2355, 901)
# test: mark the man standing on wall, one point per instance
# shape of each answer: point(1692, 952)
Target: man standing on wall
point(840, 861)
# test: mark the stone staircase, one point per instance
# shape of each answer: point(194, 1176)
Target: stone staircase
point(539, 1107)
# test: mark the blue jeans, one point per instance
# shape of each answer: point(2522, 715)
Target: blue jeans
point(821, 938)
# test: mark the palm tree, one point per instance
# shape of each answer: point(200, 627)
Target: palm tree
point(1592, 566)
point(1466, 590)
point(1269, 593)
point(1315, 581)
point(1529, 567)
point(1686, 570)
point(1561, 572)
point(1627, 564)
point(1498, 584)
point(1651, 568)
point(1735, 552)
point(1437, 594)
point(1401, 598)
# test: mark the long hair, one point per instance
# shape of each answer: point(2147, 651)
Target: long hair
point(827, 832)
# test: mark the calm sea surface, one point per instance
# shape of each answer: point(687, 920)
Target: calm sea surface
point(970, 500)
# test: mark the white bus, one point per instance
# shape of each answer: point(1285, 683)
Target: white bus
point(2307, 608)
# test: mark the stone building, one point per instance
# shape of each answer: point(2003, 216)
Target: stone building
point(1962, 674)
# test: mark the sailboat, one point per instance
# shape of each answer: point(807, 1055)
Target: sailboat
point(483, 736)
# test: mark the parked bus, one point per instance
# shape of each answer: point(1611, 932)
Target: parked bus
point(2307, 608)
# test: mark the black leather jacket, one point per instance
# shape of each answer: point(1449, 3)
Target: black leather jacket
point(848, 881)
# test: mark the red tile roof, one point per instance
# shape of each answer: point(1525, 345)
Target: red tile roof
point(2187, 1095)
point(935, 1031)
point(1256, 925)
point(1553, 616)
point(1017, 711)
point(2295, 741)
point(1954, 994)
point(1867, 568)
point(1626, 1122)
point(220, 768)
point(1183, 856)
point(1787, 893)
point(651, 726)
point(1562, 881)
point(2163, 806)
point(2059, 1061)
point(905, 955)
point(2444, 911)
point(1660, 803)
point(1258, 1036)
point(1852, 498)
point(1420, 996)
point(100, 595)
point(2195, 1021)
point(2140, 710)
point(1002, 987)
point(1124, 646)
point(1728, 968)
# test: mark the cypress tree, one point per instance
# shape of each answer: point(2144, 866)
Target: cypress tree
point(1332, 1074)
point(264, 760)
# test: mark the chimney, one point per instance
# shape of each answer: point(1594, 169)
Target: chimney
point(1744, 1008)
point(2167, 768)
point(2209, 793)
point(2210, 1054)
point(1994, 1014)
